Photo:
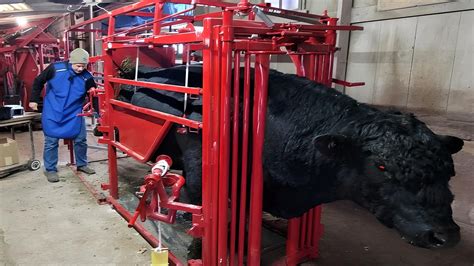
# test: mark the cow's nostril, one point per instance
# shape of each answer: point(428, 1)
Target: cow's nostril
point(437, 238)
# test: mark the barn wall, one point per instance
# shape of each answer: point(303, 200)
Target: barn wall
point(421, 61)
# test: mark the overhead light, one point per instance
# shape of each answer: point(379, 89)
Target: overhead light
point(14, 7)
point(21, 21)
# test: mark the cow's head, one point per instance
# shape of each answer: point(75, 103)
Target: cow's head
point(403, 176)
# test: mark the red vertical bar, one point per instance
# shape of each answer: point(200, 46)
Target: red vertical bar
point(323, 69)
point(113, 175)
point(66, 45)
point(245, 146)
point(206, 137)
point(320, 68)
point(156, 17)
point(292, 238)
point(312, 70)
point(209, 139)
point(41, 57)
point(224, 153)
point(215, 124)
point(331, 38)
point(302, 235)
point(317, 226)
point(310, 224)
point(316, 67)
point(296, 58)
point(70, 145)
point(111, 28)
point(256, 196)
point(106, 120)
point(326, 70)
point(331, 66)
point(235, 159)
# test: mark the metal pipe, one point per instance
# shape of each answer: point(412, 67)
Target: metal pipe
point(317, 228)
point(245, 146)
point(256, 195)
point(292, 237)
point(66, 45)
point(70, 147)
point(216, 119)
point(41, 57)
point(302, 235)
point(113, 175)
point(207, 140)
point(226, 75)
point(310, 223)
point(141, 230)
point(157, 17)
point(235, 159)
point(30, 130)
point(311, 70)
point(91, 36)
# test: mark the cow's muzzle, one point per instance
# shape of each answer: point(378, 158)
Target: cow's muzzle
point(440, 238)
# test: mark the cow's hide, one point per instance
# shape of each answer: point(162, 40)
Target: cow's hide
point(321, 146)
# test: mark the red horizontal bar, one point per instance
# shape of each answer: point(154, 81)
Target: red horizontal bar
point(204, 2)
point(42, 41)
point(208, 15)
point(128, 151)
point(186, 37)
point(157, 86)
point(194, 209)
point(89, 30)
point(140, 14)
point(130, 44)
point(348, 84)
point(115, 12)
point(94, 59)
point(158, 114)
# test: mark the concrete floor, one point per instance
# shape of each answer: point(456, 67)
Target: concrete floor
point(61, 223)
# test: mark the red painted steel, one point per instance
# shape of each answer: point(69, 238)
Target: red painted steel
point(24, 51)
point(158, 86)
point(256, 191)
point(225, 86)
point(214, 108)
point(245, 149)
point(225, 136)
point(235, 159)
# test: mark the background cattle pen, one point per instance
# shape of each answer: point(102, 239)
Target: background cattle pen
point(226, 44)
point(415, 56)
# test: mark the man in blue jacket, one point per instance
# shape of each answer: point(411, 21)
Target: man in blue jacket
point(67, 85)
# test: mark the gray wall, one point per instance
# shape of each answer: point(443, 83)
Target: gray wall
point(417, 62)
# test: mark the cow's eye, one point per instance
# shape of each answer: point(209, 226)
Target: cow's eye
point(381, 167)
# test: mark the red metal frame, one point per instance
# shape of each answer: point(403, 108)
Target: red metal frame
point(226, 43)
point(24, 52)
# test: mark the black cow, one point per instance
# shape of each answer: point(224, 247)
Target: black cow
point(322, 146)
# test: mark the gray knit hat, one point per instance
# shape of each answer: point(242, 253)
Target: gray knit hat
point(79, 56)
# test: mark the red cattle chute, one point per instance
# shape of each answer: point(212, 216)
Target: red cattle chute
point(226, 43)
point(24, 53)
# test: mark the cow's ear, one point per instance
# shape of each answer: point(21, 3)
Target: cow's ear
point(333, 145)
point(454, 144)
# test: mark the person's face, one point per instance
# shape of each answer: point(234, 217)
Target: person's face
point(78, 68)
